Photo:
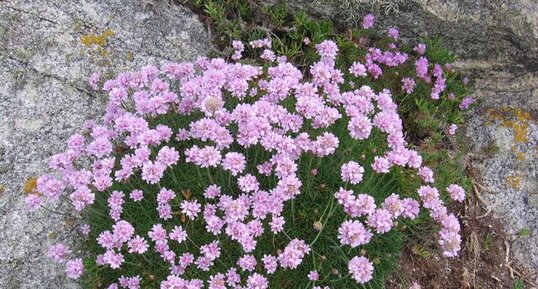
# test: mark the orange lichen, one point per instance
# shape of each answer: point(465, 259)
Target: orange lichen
point(514, 181)
point(519, 154)
point(96, 39)
point(30, 186)
point(512, 117)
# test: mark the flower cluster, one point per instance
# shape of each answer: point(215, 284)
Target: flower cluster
point(232, 108)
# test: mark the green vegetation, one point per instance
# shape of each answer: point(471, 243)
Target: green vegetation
point(425, 120)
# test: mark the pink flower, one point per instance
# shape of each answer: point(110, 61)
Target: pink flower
point(211, 250)
point(422, 67)
point(429, 196)
point(178, 234)
point(381, 165)
point(394, 205)
point(313, 275)
point(270, 263)
point(217, 281)
point(359, 127)
point(94, 80)
point(354, 234)
point(248, 183)
point(420, 48)
point(167, 156)
point(100, 147)
point(212, 192)
point(239, 47)
point(466, 102)
point(247, 262)
point(368, 21)
point(293, 254)
point(452, 129)
point(85, 229)
point(380, 220)
point(137, 245)
point(191, 208)
point(234, 162)
point(123, 231)
point(457, 193)
point(136, 195)
point(113, 259)
point(153, 172)
point(165, 196)
point(326, 144)
point(58, 252)
point(130, 282)
point(74, 268)
point(157, 233)
point(33, 202)
point(277, 224)
point(268, 55)
point(327, 49)
point(257, 281)
point(408, 84)
point(352, 172)
point(411, 208)
point(426, 174)
point(361, 269)
point(357, 69)
point(394, 33)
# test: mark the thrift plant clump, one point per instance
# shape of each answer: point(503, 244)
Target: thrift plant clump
point(243, 174)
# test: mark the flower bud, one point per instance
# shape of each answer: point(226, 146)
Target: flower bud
point(318, 225)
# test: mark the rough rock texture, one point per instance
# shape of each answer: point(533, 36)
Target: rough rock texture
point(503, 135)
point(497, 44)
point(48, 50)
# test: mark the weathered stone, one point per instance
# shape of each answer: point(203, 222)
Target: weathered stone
point(48, 50)
point(507, 115)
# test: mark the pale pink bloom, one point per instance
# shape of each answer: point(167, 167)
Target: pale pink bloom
point(74, 268)
point(381, 221)
point(452, 129)
point(361, 269)
point(368, 21)
point(313, 275)
point(191, 208)
point(353, 233)
point(457, 193)
point(352, 172)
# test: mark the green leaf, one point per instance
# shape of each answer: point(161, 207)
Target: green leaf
point(525, 232)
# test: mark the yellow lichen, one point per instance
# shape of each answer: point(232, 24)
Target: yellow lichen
point(30, 186)
point(512, 117)
point(96, 39)
point(129, 56)
point(2, 189)
point(519, 154)
point(514, 181)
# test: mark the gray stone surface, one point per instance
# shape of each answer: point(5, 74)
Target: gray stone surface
point(44, 97)
point(503, 135)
